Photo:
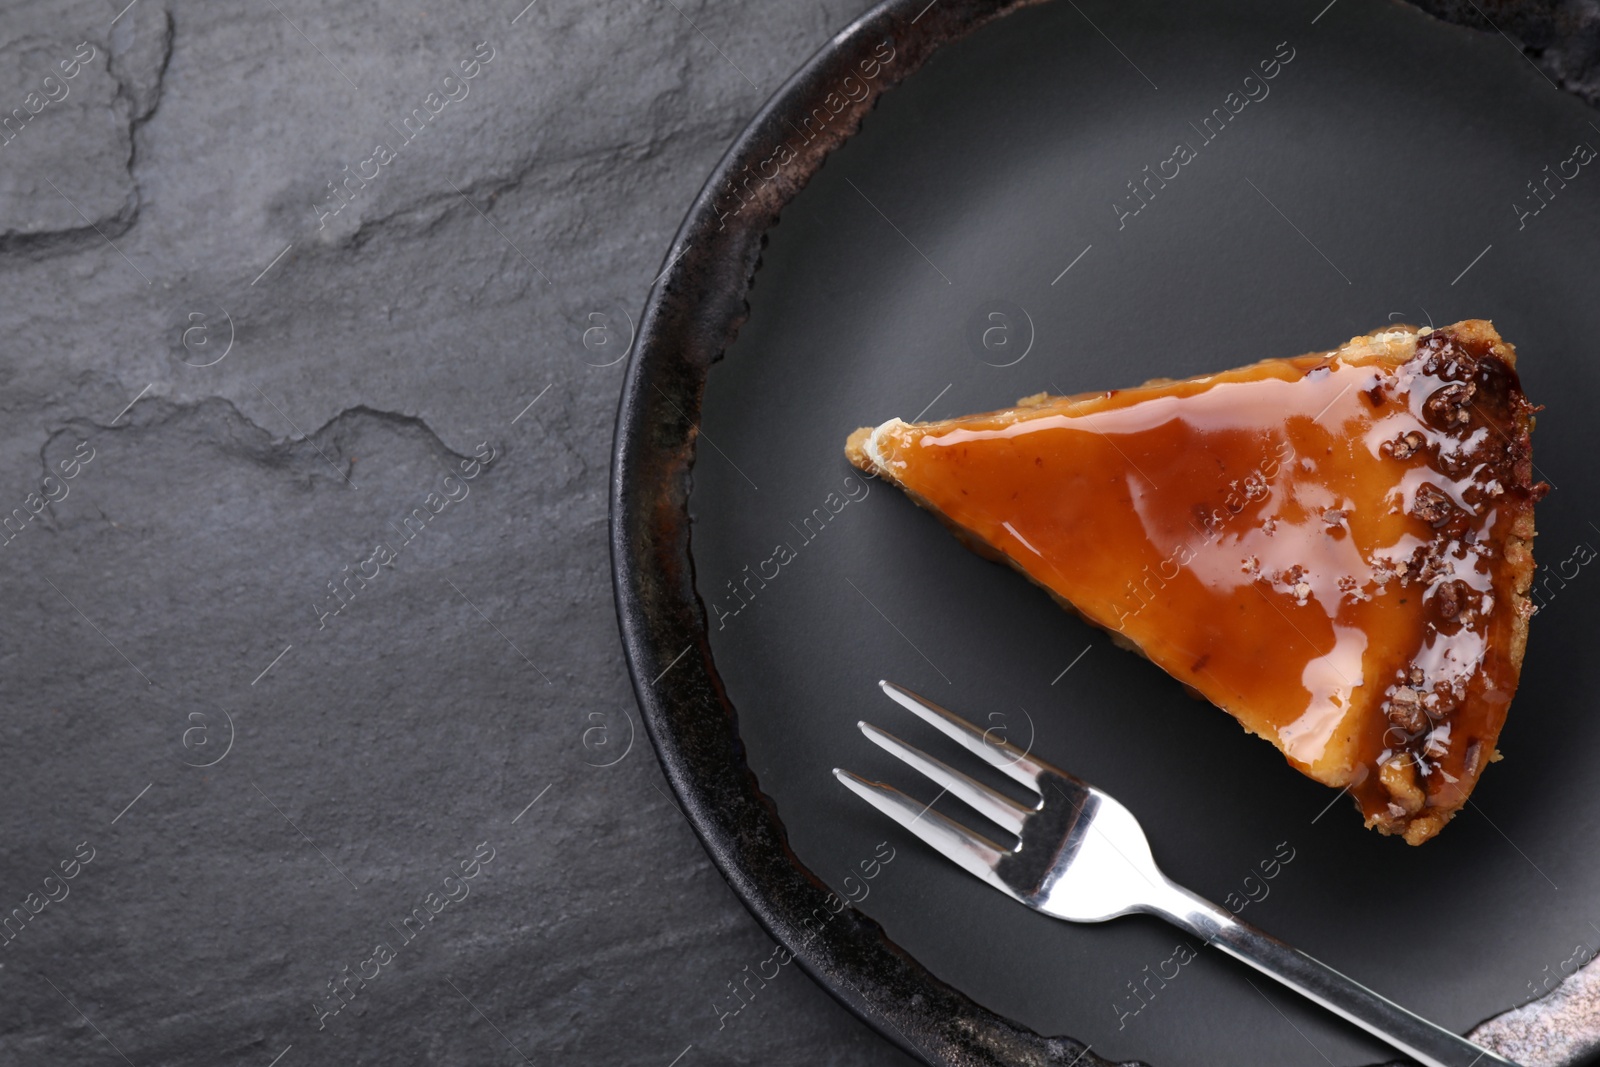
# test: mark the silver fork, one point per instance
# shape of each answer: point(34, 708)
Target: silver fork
point(1081, 856)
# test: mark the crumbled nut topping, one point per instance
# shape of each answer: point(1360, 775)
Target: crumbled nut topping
point(1473, 452)
point(1399, 778)
point(1406, 446)
point(1449, 407)
point(1452, 597)
point(1433, 505)
point(1405, 710)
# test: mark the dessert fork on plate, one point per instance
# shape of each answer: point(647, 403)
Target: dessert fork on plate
point(1081, 856)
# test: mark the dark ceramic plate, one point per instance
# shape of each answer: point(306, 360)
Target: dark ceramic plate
point(976, 241)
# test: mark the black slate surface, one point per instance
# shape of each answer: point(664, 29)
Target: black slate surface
point(491, 262)
point(252, 392)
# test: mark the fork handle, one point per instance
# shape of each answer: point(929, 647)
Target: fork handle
point(1424, 1042)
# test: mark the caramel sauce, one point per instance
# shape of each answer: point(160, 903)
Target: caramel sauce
point(1315, 544)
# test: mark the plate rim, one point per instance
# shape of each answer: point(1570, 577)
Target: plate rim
point(694, 311)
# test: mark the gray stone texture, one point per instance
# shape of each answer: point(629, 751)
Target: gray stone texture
point(394, 341)
point(1561, 37)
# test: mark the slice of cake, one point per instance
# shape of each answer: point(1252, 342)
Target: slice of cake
point(1335, 549)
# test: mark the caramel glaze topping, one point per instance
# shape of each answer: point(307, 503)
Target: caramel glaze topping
point(1318, 545)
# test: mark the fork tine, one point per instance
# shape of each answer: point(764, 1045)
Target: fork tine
point(972, 852)
point(1001, 755)
point(996, 807)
